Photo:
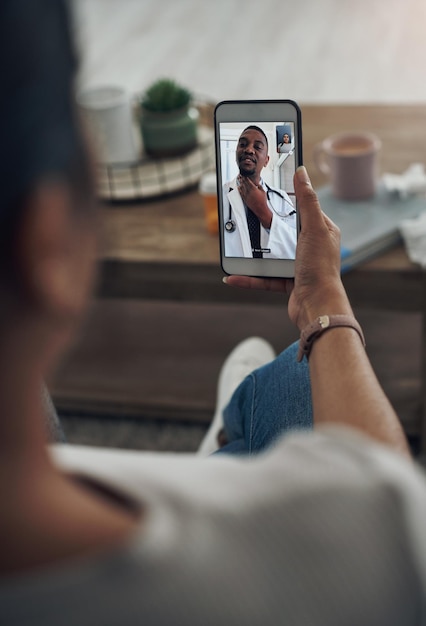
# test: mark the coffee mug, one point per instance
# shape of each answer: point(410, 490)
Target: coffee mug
point(350, 161)
point(107, 112)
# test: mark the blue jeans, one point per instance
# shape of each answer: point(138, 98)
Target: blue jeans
point(272, 400)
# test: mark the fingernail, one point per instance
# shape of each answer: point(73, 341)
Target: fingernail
point(302, 175)
point(225, 279)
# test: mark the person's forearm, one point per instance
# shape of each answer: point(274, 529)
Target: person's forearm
point(346, 391)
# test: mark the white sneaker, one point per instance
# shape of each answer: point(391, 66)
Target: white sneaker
point(244, 358)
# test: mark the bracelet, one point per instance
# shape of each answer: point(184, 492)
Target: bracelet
point(320, 325)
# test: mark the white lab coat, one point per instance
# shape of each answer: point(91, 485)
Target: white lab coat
point(281, 238)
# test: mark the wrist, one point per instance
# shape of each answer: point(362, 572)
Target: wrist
point(334, 302)
point(267, 221)
point(323, 324)
point(265, 216)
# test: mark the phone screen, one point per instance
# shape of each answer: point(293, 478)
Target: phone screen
point(257, 153)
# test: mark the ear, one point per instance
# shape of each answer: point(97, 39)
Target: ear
point(46, 254)
point(267, 161)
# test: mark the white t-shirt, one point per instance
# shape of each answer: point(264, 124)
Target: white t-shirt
point(325, 529)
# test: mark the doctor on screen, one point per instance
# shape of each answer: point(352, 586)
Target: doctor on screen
point(260, 221)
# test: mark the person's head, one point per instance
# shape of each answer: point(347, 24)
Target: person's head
point(286, 138)
point(46, 212)
point(252, 152)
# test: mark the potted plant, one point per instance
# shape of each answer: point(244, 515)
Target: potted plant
point(168, 122)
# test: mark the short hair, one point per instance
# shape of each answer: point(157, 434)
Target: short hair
point(259, 130)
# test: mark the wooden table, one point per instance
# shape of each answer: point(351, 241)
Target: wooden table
point(161, 249)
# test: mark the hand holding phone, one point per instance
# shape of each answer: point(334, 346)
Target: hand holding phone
point(258, 147)
point(319, 286)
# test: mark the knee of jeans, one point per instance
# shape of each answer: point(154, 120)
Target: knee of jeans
point(290, 352)
point(288, 359)
point(236, 448)
point(281, 398)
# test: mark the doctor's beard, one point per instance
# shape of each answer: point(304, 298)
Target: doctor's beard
point(246, 172)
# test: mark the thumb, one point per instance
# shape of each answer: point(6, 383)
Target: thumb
point(308, 204)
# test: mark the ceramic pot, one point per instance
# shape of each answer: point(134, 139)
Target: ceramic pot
point(169, 133)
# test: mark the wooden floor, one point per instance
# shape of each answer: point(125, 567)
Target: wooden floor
point(309, 50)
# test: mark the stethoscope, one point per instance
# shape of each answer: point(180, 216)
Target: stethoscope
point(230, 225)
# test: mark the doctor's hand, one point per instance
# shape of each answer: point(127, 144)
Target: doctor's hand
point(256, 199)
point(317, 288)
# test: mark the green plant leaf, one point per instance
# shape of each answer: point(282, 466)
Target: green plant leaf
point(165, 95)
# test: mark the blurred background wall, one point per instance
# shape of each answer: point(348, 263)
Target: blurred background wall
point(308, 50)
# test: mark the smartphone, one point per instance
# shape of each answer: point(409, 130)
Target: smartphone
point(258, 148)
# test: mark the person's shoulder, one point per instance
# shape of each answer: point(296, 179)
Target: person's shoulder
point(131, 471)
point(352, 456)
point(339, 464)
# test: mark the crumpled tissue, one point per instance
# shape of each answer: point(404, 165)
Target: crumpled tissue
point(413, 232)
point(412, 181)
